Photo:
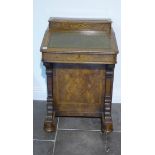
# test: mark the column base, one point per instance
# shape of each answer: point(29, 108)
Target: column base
point(49, 124)
point(107, 125)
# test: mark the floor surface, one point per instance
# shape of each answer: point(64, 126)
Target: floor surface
point(75, 136)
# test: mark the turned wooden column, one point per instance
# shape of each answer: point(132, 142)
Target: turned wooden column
point(49, 123)
point(107, 118)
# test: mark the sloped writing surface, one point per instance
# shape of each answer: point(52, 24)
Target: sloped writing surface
point(81, 40)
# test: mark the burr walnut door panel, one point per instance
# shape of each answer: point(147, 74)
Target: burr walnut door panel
point(78, 89)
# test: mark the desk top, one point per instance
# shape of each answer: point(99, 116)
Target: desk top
point(79, 35)
point(79, 40)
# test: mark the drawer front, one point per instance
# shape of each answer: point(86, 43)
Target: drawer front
point(79, 58)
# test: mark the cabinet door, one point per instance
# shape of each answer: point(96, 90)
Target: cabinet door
point(78, 89)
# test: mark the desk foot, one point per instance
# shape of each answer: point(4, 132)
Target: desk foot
point(49, 124)
point(107, 125)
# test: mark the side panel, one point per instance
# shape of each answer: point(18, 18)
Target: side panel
point(78, 89)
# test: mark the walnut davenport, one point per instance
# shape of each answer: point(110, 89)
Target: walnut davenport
point(79, 56)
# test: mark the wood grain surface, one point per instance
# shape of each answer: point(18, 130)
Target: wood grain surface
point(79, 56)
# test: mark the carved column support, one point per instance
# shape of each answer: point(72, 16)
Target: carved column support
point(49, 123)
point(106, 117)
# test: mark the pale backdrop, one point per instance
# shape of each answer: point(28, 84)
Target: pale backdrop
point(43, 9)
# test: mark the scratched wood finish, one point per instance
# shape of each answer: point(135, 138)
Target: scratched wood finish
point(80, 73)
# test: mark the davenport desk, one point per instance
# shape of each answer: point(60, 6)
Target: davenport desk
point(79, 56)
